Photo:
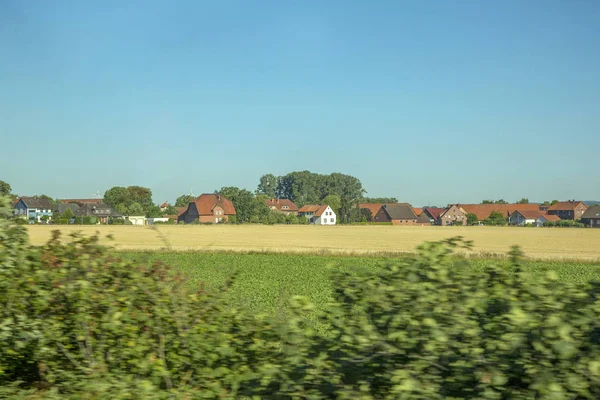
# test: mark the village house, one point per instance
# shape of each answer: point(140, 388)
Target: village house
point(101, 212)
point(483, 211)
point(525, 217)
point(397, 214)
point(568, 209)
point(284, 205)
point(164, 206)
point(452, 215)
point(33, 209)
point(318, 214)
point(546, 218)
point(433, 213)
point(208, 208)
point(373, 209)
point(591, 217)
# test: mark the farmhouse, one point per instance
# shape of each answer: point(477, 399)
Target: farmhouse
point(33, 209)
point(452, 215)
point(284, 205)
point(483, 211)
point(372, 209)
point(568, 209)
point(546, 218)
point(207, 208)
point(397, 214)
point(591, 217)
point(524, 217)
point(418, 211)
point(99, 211)
point(433, 213)
point(318, 214)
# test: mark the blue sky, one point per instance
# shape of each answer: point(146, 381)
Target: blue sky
point(431, 102)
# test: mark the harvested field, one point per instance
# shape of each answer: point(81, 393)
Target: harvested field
point(540, 243)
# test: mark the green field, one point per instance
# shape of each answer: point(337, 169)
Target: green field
point(266, 281)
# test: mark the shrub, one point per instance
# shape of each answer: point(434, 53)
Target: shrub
point(76, 322)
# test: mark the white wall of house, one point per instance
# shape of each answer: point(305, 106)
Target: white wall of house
point(136, 220)
point(327, 218)
point(151, 221)
point(517, 219)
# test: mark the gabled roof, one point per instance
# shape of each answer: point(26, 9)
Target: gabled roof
point(63, 207)
point(418, 211)
point(205, 203)
point(180, 210)
point(450, 208)
point(373, 207)
point(484, 210)
point(592, 212)
point(31, 202)
point(423, 219)
point(280, 203)
point(399, 211)
point(164, 205)
point(433, 212)
point(550, 217)
point(318, 209)
point(565, 205)
point(529, 214)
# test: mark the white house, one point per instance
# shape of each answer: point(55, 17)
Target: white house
point(318, 214)
point(524, 217)
point(546, 218)
point(33, 208)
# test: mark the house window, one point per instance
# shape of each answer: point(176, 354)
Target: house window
point(325, 220)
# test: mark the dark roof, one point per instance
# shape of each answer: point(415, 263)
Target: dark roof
point(96, 210)
point(399, 211)
point(592, 212)
point(82, 201)
point(61, 208)
point(31, 202)
point(423, 219)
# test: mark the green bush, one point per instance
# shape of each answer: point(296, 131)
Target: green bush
point(76, 322)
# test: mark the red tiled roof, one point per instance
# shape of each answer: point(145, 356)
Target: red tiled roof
point(313, 208)
point(373, 207)
point(434, 211)
point(164, 205)
point(530, 214)
point(279, 203)
point(208, 201)
point(565, 205)
point(181, 210)
point(551, 217)
point(484, 210)
point(418, 211)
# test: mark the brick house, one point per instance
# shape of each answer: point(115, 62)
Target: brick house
point(284, 205)
point(591, 217)
point(207, 208)
point(452, 215)
point(568, 209)
point(433, 213)
point(397, 214)
point(373, 208)
point(483, 211)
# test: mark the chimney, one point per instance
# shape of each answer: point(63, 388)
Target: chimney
point(218, 197)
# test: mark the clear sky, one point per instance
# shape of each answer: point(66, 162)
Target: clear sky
point(429, 101)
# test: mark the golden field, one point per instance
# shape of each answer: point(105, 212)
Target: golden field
point(542, 243)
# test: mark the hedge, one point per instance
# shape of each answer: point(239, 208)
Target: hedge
point(76, 322)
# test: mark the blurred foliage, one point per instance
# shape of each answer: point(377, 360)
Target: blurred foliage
point(75, 322)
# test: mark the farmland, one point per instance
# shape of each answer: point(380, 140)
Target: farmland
point(538, 243)
point(265, 282)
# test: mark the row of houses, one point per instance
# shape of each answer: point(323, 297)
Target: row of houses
point(214, 208)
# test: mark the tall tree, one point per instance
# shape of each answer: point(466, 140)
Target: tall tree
point(268, 185)
point(243, 200)
point(123, 198)
point(184, 200)
point(472, 219)
point(5, 188)
point(135, 209)
point(116, 196)
point(523, 201)
point(334, 201)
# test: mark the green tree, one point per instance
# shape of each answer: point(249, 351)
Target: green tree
point(380, 200)
point(553, 202)
point(123, 198)
point(523, 201)
point(367, 215)
point(472, 219)
point(268, 185)
point(171, 210)
point(496, 218)
point(135, 209)
point(68, 214)
point(333, 201)
point(244, 202)
point(5, 189)
point(184, 200)
point(117, 196)
point(154, 212)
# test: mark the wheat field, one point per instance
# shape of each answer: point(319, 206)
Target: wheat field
point(541, 243)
